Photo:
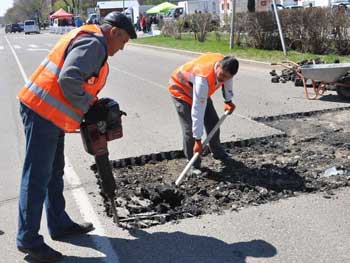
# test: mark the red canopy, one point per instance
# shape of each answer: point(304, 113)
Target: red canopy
point(61, 14)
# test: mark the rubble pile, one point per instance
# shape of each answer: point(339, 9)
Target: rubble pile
point(290, 75)
point(312, 157)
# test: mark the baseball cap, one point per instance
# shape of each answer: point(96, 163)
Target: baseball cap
point(120, 20)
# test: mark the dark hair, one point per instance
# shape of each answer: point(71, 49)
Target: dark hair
point(230, 64)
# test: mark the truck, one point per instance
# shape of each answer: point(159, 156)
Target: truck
point(129, 8)
point(197, 6)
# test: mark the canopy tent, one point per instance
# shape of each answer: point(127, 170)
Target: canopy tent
point(60, 13)
point(161, 8)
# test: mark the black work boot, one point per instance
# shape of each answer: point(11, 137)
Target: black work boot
point(76, 229)
point(43, 253)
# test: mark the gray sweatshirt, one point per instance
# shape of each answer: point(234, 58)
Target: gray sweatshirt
point(200, 96)
point(84, 58)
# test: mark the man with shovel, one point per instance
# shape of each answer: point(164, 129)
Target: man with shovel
point(191, 86)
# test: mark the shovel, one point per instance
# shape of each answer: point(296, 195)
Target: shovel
point(196, 155)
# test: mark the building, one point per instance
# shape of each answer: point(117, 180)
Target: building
point(265, 5)
point(131, 8)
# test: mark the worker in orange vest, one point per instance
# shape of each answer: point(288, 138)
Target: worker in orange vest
point(191, 86)
point(55, 99)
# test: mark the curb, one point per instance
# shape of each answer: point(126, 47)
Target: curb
point(174, 50)
point(298, 114)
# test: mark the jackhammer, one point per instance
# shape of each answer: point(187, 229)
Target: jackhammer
point(95, 134)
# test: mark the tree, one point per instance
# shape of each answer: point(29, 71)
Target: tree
point(60, 4)
point(25, 9)
point(71, 6)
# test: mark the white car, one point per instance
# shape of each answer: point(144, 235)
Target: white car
point(31, 27)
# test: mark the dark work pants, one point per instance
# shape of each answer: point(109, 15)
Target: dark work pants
point(42, 180)
point(210, 119)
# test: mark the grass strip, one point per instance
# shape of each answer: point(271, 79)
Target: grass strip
point(212, 44)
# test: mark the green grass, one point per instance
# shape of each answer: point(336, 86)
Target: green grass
point(187, 42)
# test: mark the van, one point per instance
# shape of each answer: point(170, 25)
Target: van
point(93, 18)
point(21, 26)
point(31, 27)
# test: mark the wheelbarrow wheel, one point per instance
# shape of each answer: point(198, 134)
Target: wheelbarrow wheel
point(343, 92)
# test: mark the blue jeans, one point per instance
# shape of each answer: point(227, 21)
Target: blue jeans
point(42, 180)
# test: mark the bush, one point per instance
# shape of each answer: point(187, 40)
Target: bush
point(315, 30)
point(168, 28)
point(200, 24)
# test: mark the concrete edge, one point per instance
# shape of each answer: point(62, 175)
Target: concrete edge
point(176, 154)
point(295, 115)
point(194, 53)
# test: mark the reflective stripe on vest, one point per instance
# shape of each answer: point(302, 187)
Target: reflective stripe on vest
point(43, 93)
point(52, 101)
point(51, 66)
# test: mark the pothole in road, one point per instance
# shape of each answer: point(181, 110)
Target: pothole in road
point(314, 156)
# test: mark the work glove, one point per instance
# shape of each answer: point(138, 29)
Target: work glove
point(97, 112)
point(197, 147)
point(229, 106)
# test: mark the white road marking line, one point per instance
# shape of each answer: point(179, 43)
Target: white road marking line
point(103, 244)
point(16, 46)
point(33, 46)
point(2, 47)
point(38, 49)
point(24, 76)
point(88, 213)
point(140, 78)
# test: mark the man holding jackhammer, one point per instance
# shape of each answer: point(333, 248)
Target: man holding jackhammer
point(58, 95)
point(191, 86)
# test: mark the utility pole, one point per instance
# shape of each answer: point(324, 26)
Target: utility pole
point(279, 27)
point(232, 33)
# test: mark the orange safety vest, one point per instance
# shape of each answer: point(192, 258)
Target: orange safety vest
point(203, 66)
point(43, 94)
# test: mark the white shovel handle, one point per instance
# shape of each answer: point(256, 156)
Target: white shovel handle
point(196, 155)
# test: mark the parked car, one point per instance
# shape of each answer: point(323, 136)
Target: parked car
point(30, 26)
point(7, 28)
point(21, 26)
point(93, 18)
point(12, 28)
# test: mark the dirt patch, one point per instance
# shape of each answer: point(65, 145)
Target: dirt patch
point(313, 156)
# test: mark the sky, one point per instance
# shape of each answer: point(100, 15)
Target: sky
point(4, 5)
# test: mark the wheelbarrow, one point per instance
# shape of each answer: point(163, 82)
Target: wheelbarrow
point(322, 77)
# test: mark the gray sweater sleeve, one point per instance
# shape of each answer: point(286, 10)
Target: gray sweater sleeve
point(84, 58)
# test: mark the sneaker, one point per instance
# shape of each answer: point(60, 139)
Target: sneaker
point(43, 253)
point(195, 171)
point(76, 229)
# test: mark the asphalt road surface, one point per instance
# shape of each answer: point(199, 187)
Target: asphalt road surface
point(308, 228)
